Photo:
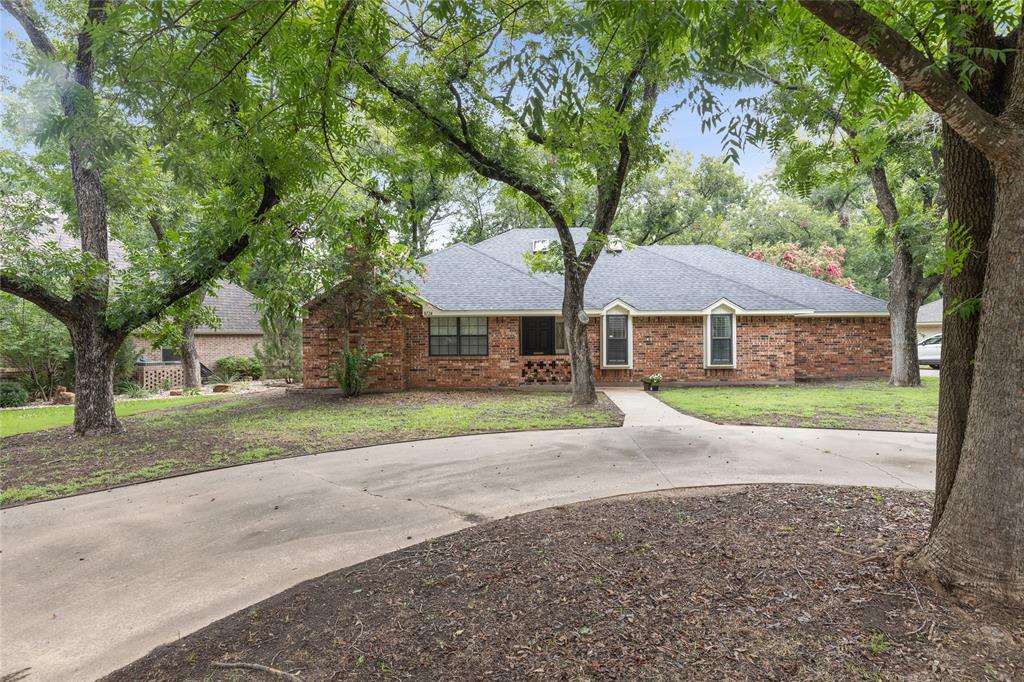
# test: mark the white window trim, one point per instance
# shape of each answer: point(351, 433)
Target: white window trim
point(629, 340)
point(707, 339)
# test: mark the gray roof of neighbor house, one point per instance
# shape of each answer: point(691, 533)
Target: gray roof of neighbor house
point(236, 309)
point(235, 306)
point(492, 275)
point(930, 312)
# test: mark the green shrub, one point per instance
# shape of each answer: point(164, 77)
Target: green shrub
point(245, 368)
point(36, 344)
point(130, 389)
point(12, 395)
point(351, 370)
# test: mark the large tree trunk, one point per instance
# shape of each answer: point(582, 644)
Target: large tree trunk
point(904, 288)
point(191, 374)
point(584, 392)
point(979, 540)
point(903, 305)
point(970, 195)
point(95, 351)
point(190, 369)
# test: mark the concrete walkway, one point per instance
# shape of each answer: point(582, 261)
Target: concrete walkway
point(90, 583)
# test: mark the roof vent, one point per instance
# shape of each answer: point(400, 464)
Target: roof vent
point(540, 245)
point(614, 245)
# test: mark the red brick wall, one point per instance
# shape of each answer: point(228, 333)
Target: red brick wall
point(843, 347)
point(769, 349)
point(674, 347)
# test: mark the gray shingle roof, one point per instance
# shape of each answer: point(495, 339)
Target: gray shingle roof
point(930, 312)
point(492, 275)
point(236, 309)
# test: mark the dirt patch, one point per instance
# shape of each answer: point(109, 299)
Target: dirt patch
point(763, 582)
point(271, 424)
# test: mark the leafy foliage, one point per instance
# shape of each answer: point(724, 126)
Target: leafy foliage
point(239, 367)
point(280, 352)
point(12, 394)
point(35, 344)
point(824, 263)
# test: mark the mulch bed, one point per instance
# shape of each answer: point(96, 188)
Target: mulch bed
point(748, 583)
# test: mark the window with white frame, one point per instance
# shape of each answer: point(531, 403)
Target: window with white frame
point(616, 340)
point(458, 336)
point(721, 339)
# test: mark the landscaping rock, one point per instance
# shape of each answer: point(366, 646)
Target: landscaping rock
point(175, 391)
point(221, 388)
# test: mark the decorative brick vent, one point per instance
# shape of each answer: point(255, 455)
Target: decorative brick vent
point(546, 371)
point(153, 376)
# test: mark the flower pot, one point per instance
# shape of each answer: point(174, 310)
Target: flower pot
point(650, 387)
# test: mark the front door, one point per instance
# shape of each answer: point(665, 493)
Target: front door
point(538, 335)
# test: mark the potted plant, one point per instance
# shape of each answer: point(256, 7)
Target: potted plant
point(652, 382)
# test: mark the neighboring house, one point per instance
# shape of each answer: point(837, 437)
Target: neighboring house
point(238, 333)
point(695, 314)
point(929, 319)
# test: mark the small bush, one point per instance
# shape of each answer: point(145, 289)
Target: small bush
point(130, 389)
point(245, 368)
point(12, 395)
point(351, 370)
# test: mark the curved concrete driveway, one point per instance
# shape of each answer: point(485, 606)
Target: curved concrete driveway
point(90, 583)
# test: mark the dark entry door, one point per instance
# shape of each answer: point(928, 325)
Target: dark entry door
point(538, 336)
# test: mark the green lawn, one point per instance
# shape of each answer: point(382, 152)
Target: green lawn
point(846, 405)
point(252, 428)
point(13, 422)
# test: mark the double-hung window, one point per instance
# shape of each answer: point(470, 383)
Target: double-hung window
point(458, 336)
point(616, 351)
point(721, 351)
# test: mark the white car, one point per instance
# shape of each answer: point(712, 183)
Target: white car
point(929, 350)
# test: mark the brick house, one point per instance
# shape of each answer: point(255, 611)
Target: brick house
point(239, 332)
point(695, 314)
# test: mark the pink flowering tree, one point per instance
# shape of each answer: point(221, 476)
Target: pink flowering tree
point(824, 262)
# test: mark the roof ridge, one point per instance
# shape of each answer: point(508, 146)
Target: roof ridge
point(777, 267)
point(523, 271)
point(650, 249)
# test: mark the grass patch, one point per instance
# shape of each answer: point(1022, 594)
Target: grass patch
point(13, 422)
point(184, 436)
point(847, 405)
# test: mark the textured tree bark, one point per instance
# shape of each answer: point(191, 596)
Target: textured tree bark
point(191, 374)
point(905, 288)
point(584, 392)
point(970, 192)
point(95, 349)
point(979, 540)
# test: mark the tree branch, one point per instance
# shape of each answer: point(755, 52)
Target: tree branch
point(229, 253)
point(60, 308)
point(25, 14)
point(480, 162)
point(883, 195)
point(917, 73)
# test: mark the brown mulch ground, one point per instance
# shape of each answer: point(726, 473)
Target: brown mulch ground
point(752, 583)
